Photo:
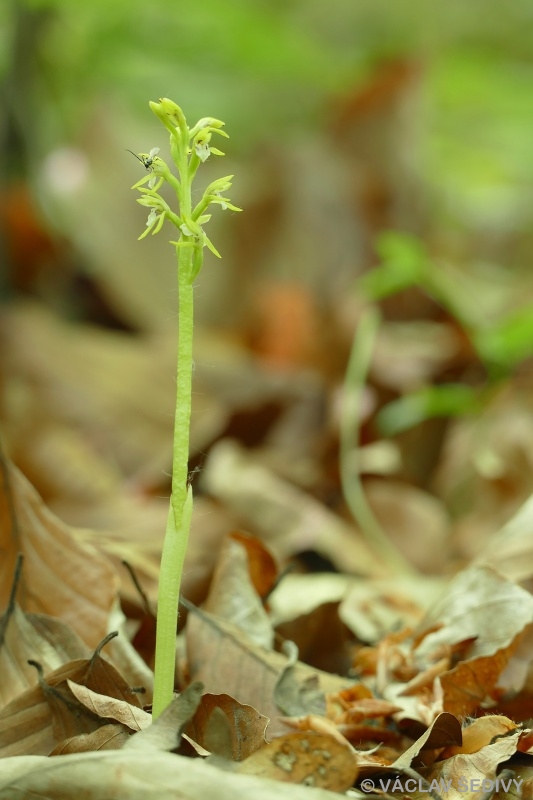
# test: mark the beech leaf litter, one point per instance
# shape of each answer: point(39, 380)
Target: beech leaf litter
point(282, 688)
point(356, 611)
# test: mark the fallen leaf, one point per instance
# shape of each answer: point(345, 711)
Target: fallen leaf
point(245, 725)
point(39, 638)
point(324, 641)
point(38, 720)
point(165, 732)
point(478, 766)
point(108, 737)
point(227, 662)
point(480, 733)
point(106, 707)
point(445, 730)
point(138, 776)
point(232, 595)
point(60, 576)
point(312, 759)
point(261, 564)
point(463, 614)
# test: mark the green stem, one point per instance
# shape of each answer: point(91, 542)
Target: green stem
point(179, 518)
point(352, 486)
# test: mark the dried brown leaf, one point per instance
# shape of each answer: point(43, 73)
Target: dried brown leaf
point(232, 595)
point(492, 613)
point(106, 707)
point(38, 720)
point(225, 661)
point(165, 732)
point(473, 767)
point(245, 726)
point(445, 730)
point(33, 637)
point(108, 737)
point(261, 564)
point(313, 759)
point(60, 576)
point(480, 733)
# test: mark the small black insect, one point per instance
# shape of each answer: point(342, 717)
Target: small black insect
point(148, 160)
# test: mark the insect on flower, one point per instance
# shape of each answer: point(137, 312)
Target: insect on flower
point(146, 160)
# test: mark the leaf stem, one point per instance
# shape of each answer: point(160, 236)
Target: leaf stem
point(352, 486)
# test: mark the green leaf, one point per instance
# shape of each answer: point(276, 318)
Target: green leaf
point(447, 400)
point(404, 263)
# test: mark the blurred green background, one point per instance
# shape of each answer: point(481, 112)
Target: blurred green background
point(381, 152)
point(346, 119)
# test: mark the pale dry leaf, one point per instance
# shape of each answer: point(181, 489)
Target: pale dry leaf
point(33, 636)
point(60, 576)
point(483, 606)
point(138, 776)
point(233, 596)
point(106, 707)
point(480, 733)
point(312, 759)
point(510, 549)
point(108, 737)
point(36, 721)
point(475, 766)
point(165, 732)
point(372, 608)
point(39, 719)
point(295, 697)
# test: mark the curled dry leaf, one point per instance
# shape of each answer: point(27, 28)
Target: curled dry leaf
point(471, 767)
point(38, 720)
point(106, 707)
point(445, 730)
point(463, 615)
point(480, 733)
point(245, 726)
point(60, 576)
point(313, 759)
point(232, 594)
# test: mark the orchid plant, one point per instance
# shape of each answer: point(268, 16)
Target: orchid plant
point(189, 147)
